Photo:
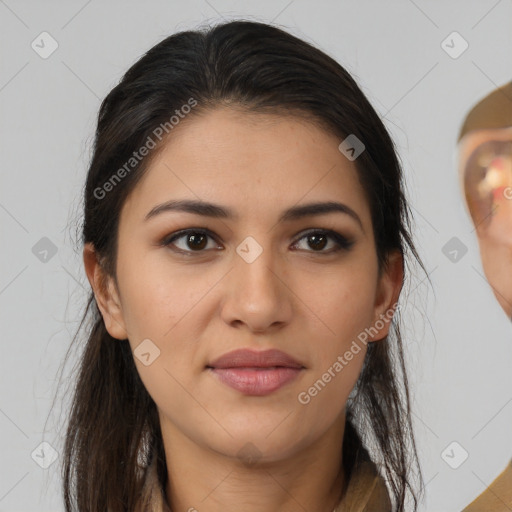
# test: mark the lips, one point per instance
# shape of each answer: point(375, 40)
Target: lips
point(256, 373)
point(244, 358)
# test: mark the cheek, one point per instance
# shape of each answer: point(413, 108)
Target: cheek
point(344, 303)
point(157, 297)
point(164, 305)
point(159, 313)
point(342, 300)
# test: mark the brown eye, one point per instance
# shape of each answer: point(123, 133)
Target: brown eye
point(317, 242)
point(319, 239)
point(196, 241)
point(193, 240)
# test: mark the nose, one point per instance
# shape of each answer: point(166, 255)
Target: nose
point(256, 293)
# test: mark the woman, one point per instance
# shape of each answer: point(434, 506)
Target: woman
point(244, 236)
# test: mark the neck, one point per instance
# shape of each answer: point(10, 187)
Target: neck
point(200, 478)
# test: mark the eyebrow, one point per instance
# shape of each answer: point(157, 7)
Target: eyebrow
point(207, 209)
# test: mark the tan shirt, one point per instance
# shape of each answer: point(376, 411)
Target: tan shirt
point(366, 492)
point(497, 497)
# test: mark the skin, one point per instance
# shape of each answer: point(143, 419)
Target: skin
point(494, 237)
point(294, 297)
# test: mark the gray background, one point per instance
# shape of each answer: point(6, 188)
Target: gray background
point(458, 339)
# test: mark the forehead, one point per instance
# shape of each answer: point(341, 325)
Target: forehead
point(256, 163)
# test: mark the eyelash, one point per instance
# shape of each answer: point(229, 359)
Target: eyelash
point(342, 242)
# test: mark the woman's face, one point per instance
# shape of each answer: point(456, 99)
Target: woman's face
point(249, 280)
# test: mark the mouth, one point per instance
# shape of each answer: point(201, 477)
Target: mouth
point(256, 373)
point(256, 381)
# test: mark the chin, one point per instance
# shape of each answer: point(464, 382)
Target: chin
point(256, 447)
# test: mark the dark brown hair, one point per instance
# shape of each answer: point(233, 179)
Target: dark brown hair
point(113, 430)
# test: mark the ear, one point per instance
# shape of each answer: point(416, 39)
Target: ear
point(388, 291)
point(105, 293)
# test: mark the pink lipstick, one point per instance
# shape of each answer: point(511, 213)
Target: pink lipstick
point(256, 373)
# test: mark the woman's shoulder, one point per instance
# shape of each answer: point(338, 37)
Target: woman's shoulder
point(497, 497)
